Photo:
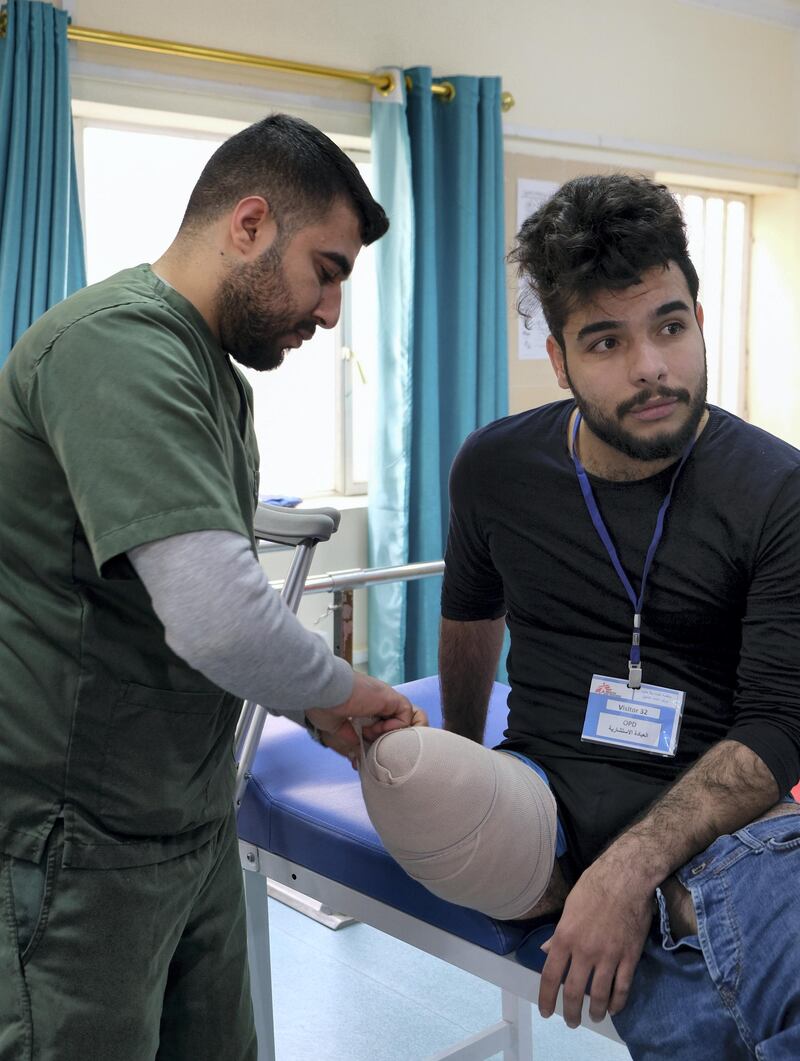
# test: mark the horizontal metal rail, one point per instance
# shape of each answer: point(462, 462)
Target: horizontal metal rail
point(364, 576)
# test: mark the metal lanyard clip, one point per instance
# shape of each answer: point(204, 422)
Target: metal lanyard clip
point(634, 675)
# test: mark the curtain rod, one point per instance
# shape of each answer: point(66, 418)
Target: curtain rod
point(382, 82)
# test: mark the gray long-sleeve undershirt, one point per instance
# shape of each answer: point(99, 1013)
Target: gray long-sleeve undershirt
point(222, 617)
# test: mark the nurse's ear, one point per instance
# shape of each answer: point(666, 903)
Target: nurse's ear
point(252, 228)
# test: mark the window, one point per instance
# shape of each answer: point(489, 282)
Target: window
point(718, 227)
point(312, 416)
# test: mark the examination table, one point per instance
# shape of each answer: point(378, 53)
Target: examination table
point(302, 823)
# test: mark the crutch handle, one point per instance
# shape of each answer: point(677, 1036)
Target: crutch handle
point(290, 526)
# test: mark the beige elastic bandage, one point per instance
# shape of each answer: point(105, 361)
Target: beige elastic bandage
point(475, 827)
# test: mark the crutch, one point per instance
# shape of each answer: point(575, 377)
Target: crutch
point(303, 528)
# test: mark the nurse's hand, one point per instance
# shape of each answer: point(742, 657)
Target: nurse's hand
point(378, 706)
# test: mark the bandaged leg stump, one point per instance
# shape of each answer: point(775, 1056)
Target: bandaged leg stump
point(474, 826)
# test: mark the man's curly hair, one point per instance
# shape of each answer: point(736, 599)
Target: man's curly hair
point(598, 233)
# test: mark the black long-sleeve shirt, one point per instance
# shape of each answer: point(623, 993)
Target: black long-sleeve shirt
point(720, 620)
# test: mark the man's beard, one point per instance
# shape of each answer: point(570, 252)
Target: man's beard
point(255, 310)
point(659, 447)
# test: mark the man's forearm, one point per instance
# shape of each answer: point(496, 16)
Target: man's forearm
point(725, 789)
point(468, 657)
point(607, 914)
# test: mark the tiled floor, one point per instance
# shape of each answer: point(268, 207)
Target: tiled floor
point(358, 995)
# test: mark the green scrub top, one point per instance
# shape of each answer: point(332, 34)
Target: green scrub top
point(122, 421)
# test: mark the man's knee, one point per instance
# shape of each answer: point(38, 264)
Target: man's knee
point(476, 827)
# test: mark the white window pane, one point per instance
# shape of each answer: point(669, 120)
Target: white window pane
point(717, 231)
point(363, 341)
point(711, 293)
point(136, 187)
point(364, 366)
point(733, 310)
point(694, 212)
point(294, 419)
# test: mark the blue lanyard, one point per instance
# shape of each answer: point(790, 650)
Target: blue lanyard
point(634, 663)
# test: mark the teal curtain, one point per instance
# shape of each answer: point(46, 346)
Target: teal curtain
point(453, 376)
point(41, 242)
point(390, 465)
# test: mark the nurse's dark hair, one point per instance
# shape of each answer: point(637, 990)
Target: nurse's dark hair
point(597, 233)
point(291, 164)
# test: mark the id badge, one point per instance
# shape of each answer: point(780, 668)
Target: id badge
point(647, 719)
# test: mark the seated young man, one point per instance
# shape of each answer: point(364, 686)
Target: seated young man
point(644, 549)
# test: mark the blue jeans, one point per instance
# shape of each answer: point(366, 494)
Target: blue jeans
point(561, 836)
point(733, 990)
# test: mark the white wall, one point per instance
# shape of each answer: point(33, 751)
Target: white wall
point(646, 70)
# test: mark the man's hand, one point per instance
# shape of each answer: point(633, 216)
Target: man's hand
point(600, 935)
point(380, 707)
point(606, 916)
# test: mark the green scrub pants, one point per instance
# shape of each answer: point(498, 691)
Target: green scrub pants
point(126, 964)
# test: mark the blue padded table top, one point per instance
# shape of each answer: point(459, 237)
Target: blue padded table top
point(304, 803)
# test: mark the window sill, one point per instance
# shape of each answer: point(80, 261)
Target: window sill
point(344, 502)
